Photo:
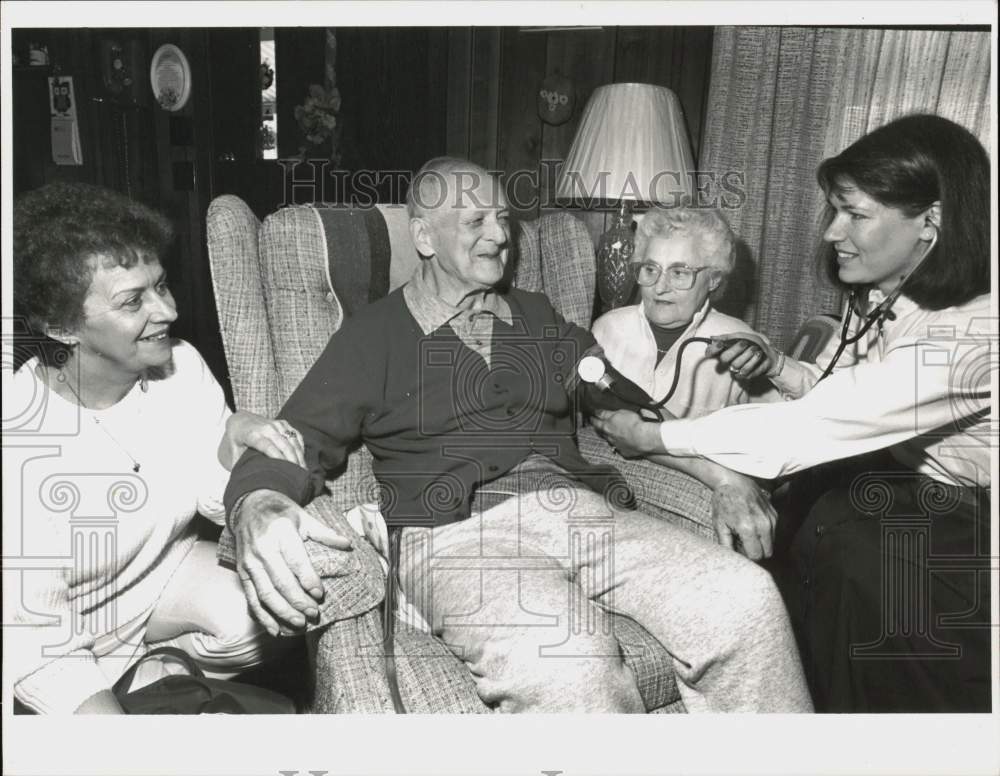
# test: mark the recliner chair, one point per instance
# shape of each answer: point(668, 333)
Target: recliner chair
point(282, 288)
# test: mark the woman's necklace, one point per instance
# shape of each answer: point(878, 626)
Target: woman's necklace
point(136, 466)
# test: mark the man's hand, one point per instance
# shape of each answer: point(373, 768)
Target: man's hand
point(629, 434)
point(274, 438)
point(745, 355)
point(741, 509)
point(280, 583)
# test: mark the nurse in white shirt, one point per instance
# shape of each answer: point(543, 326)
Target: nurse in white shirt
point(889, 569)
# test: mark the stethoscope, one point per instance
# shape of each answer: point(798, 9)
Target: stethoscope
point(594, 369)
point(882, 313)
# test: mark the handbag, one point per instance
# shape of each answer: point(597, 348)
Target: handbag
point(195, 693)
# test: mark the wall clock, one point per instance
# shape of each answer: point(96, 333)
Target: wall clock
point(170, 77)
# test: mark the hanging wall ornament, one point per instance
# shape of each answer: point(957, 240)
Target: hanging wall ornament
point(556, 100)
point(170, 77)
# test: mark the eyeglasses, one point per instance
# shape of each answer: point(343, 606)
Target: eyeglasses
point(680, 276)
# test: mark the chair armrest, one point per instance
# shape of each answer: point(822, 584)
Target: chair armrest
point(659, 491)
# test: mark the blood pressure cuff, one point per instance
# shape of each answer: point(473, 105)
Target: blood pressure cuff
point(623, 394)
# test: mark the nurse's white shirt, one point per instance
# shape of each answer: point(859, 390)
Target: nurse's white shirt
point(919, 385)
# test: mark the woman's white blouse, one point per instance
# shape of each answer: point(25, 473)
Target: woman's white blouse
point(89, 544)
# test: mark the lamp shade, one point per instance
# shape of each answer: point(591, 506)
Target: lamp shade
point(631, 145)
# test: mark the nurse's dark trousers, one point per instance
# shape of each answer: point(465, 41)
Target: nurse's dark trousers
point(885, 574)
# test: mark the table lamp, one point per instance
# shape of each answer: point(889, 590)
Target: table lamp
point(631, 147)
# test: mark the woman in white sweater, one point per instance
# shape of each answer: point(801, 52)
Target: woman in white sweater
point(682, 257)
point(114, 441)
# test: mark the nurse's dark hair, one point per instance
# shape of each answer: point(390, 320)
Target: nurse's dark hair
point(61, 231)
point(909, 164)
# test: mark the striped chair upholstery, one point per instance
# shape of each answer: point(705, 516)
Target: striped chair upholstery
point(232, 234)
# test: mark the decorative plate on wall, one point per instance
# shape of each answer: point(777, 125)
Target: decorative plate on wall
point(170, 77)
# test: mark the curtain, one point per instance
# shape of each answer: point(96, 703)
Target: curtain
point(893, 72)
point(783, 99)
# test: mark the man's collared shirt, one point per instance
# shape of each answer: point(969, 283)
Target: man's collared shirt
point(472, 319)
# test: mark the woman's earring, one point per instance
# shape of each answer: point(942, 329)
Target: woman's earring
point(63, 357)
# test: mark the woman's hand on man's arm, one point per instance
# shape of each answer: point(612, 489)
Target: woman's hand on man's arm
point(274, 438)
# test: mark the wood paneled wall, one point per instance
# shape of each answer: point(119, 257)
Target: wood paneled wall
point(393, 82)
point(408, 94)
point(412, 93)
point(131, 145)
point(117, 136)
point(494, 75)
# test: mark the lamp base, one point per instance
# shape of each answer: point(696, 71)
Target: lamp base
point(615, 283)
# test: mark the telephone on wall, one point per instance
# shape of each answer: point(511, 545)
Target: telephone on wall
point(122, 71)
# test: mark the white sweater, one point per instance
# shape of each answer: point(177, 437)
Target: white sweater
point(703, 387)
point(89, 545)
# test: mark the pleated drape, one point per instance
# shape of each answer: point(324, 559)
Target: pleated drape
point(783, 99)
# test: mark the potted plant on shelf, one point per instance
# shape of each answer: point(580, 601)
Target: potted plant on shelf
point(317, 118)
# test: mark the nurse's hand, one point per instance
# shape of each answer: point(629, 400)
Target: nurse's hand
point(629, 434)
point(746, 355)
point(742, 510)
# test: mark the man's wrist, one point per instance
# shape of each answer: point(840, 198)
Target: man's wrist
point(731, 479)
point(233, 515)
point(722, 477)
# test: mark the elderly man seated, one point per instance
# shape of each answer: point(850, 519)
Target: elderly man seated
point(460, 386)
point(682, 257)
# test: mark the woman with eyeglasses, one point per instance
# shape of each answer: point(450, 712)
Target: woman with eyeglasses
point(682, 257)
point(888, 571)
